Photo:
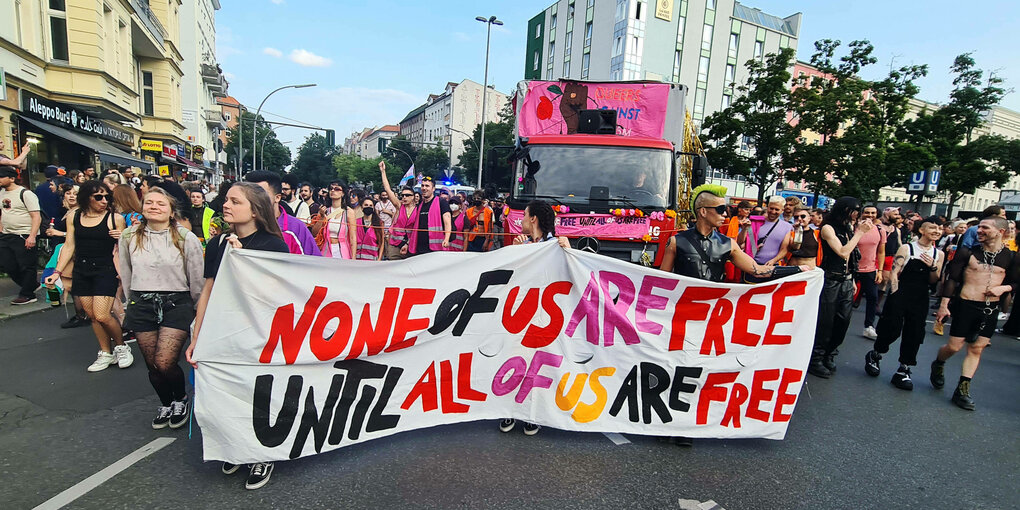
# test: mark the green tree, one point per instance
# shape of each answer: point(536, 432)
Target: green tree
point(496, 134)
point(357, 171)
point(277, 156)
point(314, 161)
point(432, 161)
point(882, 159)
point(824, 106)
point(758, 116)
point(948, 132)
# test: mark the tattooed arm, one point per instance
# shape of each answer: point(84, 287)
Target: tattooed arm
point(899, 260)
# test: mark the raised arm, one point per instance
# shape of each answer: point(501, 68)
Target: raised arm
point(18, 161)
point(844, 250)
point(392, 197)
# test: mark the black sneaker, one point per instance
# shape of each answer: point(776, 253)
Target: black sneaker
point(961, 397)
point(901, 379)
point(507, 424)
point(75, 322)
point(259, 475)
point(830, 362)
point(162, 418)
point(871, 363)
point(817, 369)
point(531, 429)
point(181, 410)
point(228, 468)
point(23, 300)
point(938, 374)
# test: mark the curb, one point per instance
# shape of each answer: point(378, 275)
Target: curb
point(9, 316)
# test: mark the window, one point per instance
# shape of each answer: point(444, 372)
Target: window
point(676, 62)
point(552, 51)
point(147, 107)
point(566, 47)
point(710, 4)
point(538, 31)
point(699, 102)
point(58, 30)
point(731, 75)
point(585, 61)
point(227, 116)
point(591, 3)
point(759, 49)
point(726, 100)
point(734, 41)
point(703, 69)
point(618, 46)
point(570, 11)
point(566, 68)
point(620, 10)
point(552, 22)
point(637, 12)
point(587, 34)
point(535, 61)
point(706, 38)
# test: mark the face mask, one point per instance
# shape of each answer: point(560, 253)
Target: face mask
point(454, 207)
point(368, 211)
point(477, 203)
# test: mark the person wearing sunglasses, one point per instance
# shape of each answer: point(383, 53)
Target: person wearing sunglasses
point(404, 220)
point(869, 270)
point(840, 258)
point(91, 237)
point(337, 229)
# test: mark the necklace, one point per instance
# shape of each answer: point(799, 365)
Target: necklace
point(987, 261)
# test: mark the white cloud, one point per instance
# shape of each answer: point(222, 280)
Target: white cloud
point(272, 52)
point(308, 59)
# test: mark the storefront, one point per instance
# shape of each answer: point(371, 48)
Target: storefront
point(67, 136)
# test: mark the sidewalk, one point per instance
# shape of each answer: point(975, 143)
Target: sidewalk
point(9, 291)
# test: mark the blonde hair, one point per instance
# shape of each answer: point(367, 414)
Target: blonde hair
point(138, 236)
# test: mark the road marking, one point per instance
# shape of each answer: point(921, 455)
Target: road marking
point(84, 486)
point(616, 438)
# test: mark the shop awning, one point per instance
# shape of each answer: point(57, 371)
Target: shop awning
point(192, 166)
point(106, 152)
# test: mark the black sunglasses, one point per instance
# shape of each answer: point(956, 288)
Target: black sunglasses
point(719, 209)
point(407, 195)
point(335, 188)
point(800, 216)
point(100, 196)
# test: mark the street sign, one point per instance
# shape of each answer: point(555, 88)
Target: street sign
point(934, 175)
point(449, 173)
point(916, 183)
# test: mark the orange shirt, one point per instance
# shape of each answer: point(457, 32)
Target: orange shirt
point(480, 227)
point(734, 229)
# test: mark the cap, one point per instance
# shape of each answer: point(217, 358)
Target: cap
point(53, 171)
point(8, 171)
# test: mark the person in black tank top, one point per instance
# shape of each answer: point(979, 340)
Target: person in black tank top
point(92, 235)
point(916, 266)
point(839, 240)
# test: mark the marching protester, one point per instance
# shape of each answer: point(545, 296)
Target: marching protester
point(460, 225)
point(250, 212)
point(307, 194)
point(433, 225)
point(869, 269)
point(480, 216)
point(199, 214)
point(788, 208)
point(702, 252)
point(20, 162)
point(19, 228)
point(46, 191)
point(976, 279)
point(58, 234)
point(126, 203)
point(817, 217)
point(738, 225)
point(294, 232)
point(371, 234)
point(336, 228)
point(91, 237)
point(770, 235)
point(802, 246)
point(402, 229)
point(292, 197)
point(161, 275)
point(916, 266)
point(385, 209)
point(839, 238)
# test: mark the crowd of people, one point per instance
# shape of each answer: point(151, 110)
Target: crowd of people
point(139, 255)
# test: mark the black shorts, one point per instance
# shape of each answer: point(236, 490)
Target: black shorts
point(94, 278)
point(149, 311)
point(972, 319)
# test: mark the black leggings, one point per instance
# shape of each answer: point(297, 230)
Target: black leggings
point(906, 311)
point(834, 310)
point(161, 350)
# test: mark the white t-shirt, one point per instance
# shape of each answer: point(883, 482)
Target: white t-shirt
point(14, 213)
point(300, 209)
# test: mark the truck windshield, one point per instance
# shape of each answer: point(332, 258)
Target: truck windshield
point(636, 177)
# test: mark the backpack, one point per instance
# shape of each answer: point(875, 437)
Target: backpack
point(45, 223)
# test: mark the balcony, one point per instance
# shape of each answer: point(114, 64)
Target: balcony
point(214, 117)
point(147, 32)
point(214, 81)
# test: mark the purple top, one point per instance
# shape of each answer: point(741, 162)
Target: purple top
point(296, 233)
point(774, 241)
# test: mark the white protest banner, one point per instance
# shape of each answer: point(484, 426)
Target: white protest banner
point(341, 352)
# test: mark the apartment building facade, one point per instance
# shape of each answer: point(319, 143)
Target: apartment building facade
point(203, 85)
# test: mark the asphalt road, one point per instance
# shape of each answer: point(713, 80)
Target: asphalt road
point(854, 442)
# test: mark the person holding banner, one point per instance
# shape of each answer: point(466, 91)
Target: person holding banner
point(839, 239)
point(461, 225)
point(402, 227)
point(371, 236)
point(249, 211)
point(337, 229)
point(433, 225)
point(161, 275)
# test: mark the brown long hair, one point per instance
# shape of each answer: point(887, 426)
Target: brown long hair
point(125, 201)
point(175, 235)
point(261, 206)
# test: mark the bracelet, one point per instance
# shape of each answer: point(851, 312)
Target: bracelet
point(58, 273)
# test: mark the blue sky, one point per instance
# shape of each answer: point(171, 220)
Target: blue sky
point(375, 61)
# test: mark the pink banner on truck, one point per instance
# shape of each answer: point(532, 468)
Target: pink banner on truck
point(551, 107)
point(591, 225)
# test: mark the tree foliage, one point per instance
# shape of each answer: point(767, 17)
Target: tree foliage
point(277, 156)
point(758, 116)
point(314, 163)
point(496, 134)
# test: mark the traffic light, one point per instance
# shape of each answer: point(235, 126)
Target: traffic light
point(330, 137)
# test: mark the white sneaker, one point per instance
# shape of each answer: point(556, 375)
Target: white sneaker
point(123, 355)
point(103, 360)
point(1003, 316)
point(870, 333)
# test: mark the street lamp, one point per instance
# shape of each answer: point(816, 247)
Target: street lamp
point(485, 86)
point(255, 121)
